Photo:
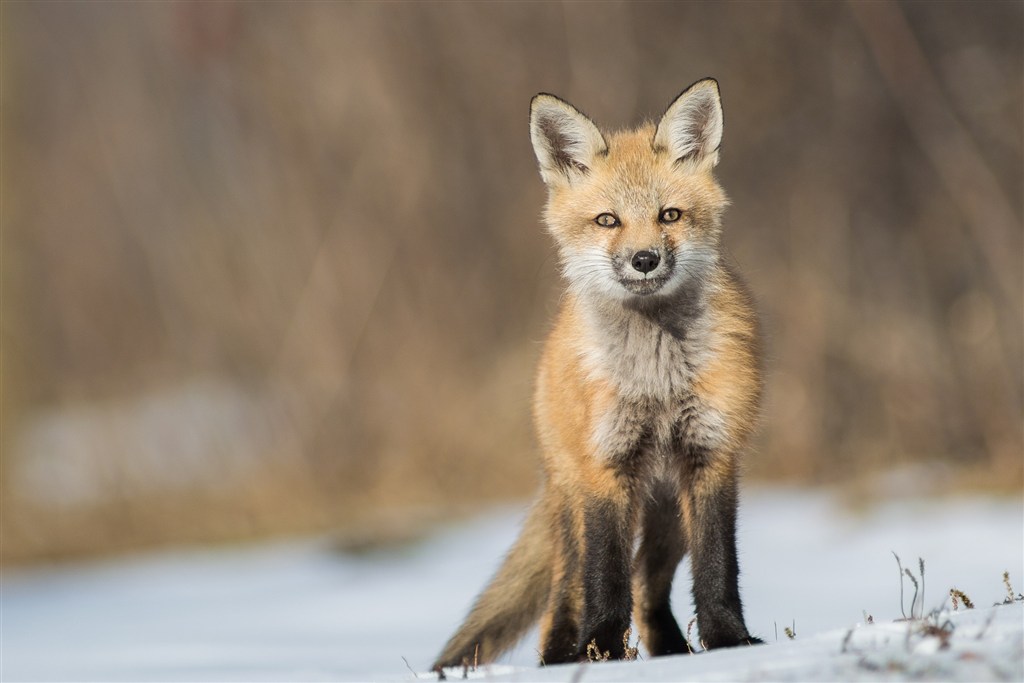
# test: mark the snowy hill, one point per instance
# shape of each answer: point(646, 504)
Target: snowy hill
point(302, 611)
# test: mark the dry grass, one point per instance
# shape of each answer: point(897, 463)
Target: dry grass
point(332, 207)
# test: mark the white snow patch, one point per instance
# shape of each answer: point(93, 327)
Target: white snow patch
point(300, 611)
point(894, 651)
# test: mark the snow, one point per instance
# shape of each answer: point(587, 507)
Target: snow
point(302, 611)
point(893, 651)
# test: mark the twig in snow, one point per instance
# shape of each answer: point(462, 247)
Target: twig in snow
point(413, 671)
point(913, 601)
point(899, 565)
point(920, 563)
point(846, 641)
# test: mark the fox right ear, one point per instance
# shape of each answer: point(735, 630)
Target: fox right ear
point(564, 140)
point(691, 129)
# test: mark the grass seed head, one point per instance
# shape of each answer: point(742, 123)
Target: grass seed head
point(957, 595)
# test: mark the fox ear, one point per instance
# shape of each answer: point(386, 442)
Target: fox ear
point(564, 140)
point(691, 128)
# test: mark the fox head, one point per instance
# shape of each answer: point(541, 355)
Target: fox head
point(634, 213)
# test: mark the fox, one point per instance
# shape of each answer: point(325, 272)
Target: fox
point(647, 394)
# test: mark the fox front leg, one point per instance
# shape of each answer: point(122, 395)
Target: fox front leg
point(608, 527)
point(709, 503)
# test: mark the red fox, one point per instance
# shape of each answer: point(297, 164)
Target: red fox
point(647, 392)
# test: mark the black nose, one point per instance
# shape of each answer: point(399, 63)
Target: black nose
point(645, 261)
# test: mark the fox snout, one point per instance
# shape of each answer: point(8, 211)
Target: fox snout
point(644, 271)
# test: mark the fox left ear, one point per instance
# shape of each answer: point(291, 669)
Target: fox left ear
point(691, 128)
point(565, 141)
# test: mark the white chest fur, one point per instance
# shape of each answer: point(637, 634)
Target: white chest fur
point(652, 361)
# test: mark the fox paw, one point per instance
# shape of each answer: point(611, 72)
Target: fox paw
point(716, 643)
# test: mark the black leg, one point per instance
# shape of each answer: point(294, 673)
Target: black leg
point(662, 546)
point(607, 598)
point(709, 501)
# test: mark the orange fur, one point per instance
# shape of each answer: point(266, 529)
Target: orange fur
point(649, 381)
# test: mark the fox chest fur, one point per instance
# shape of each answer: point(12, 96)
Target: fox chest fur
point(645, 399)
point(652, 360)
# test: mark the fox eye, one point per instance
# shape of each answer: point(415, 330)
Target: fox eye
point(670, 215)
point(607, 220)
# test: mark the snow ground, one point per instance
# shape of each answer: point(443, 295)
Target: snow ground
point(301, 611)
point(983, 645)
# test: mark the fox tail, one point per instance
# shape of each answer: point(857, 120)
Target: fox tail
point(512, 602)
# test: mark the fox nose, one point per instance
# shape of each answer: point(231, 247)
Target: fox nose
point(645, 261)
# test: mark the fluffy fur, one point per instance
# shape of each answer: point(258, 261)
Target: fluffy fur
point(647, 392)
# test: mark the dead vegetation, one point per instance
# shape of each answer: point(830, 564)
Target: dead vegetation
point(1011, 596)
point(934, 624)
point(333, 207)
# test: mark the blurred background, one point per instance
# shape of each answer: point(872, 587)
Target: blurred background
point(272, 268)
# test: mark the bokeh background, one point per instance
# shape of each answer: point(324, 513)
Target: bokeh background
point(272, 268)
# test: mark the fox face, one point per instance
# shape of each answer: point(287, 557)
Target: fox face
point(636, 213)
